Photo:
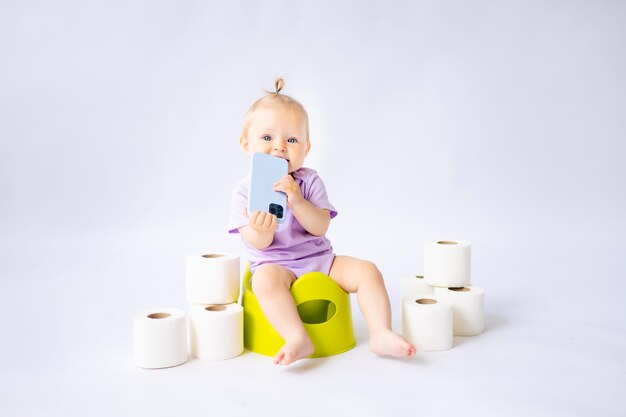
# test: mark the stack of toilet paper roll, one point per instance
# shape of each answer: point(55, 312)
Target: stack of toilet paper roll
point(215, 318)
point(442, 303)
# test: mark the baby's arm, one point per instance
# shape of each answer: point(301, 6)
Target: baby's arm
point(260, 232)
point(314, 220)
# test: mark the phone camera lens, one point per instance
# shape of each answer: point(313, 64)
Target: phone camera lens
point(276, 209)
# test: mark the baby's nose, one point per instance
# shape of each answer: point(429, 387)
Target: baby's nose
point(279, 145)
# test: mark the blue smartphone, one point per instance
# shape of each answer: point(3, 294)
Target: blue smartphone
point(265, 170)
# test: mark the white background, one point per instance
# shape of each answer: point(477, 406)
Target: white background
point(499, 122)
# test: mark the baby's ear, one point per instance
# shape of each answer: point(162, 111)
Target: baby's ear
point(308, 146)
point(243, 141)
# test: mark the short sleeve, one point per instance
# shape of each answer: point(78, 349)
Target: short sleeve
point(238, 202)
point(318, 196)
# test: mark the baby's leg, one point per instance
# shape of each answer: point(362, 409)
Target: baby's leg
point(270, 284)
point(364, 278)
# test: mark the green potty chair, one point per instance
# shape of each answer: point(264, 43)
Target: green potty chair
point(324, 308)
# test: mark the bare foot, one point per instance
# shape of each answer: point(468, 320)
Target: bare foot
point(389, 343)
point(294, 349)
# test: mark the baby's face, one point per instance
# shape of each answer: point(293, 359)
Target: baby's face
point(279, 131)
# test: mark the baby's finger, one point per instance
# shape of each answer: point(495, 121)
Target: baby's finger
point(286, 179)
point(254, 217)
point(268, 221)
point(273, 223)
point(261, 219)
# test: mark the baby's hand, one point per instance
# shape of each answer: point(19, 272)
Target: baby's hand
point(263, 222)
point(290, 187)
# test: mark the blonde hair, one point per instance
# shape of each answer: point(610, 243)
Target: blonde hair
point(272, 99)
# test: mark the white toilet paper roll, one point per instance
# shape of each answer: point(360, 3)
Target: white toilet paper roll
point(414, 285)
point(160, 338)
point(467, 308)
point(212, 278)
point(216, 331)
point(427, 323)
point(447, 263)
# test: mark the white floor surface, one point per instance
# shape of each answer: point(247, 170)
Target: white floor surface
point(555, 344)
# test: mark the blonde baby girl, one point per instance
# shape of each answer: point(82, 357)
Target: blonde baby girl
point(279, 254)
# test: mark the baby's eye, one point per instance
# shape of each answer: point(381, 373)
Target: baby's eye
point(292, 140)
point(266, 138)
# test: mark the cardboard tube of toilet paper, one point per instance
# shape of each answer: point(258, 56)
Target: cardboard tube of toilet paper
point(160, 338)
point(447, 263)
point(414, 285)
point(467, 308)
point(212, 278)
point(427, 323)
point(216, 331)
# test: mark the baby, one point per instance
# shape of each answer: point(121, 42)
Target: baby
point(280, 253)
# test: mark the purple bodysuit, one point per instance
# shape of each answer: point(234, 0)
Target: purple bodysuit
point(293, 247)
